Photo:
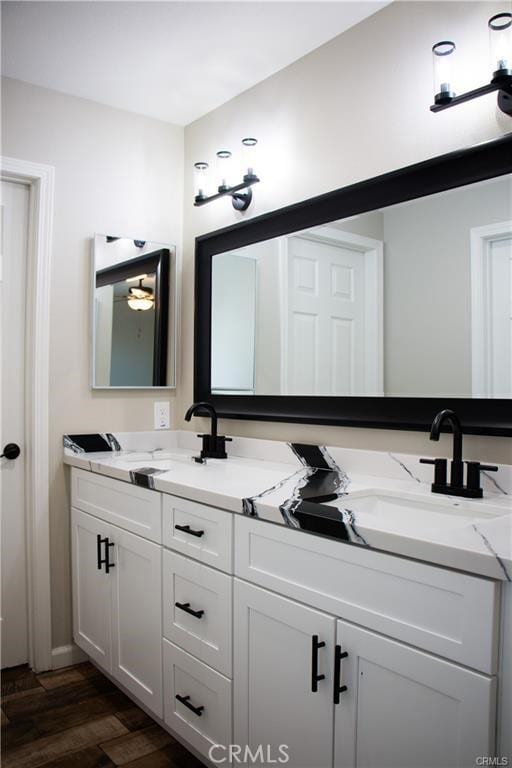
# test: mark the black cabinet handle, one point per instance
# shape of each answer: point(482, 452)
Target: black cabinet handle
point(185, 700)
point(108, 564)
point(186, 607)
point(188, 529)
point(315, 677)
point(338, 689)
point(100, 560)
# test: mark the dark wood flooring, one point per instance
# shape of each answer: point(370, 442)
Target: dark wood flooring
point(77, 718)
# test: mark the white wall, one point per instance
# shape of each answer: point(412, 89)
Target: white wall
point(115, 172)
point(352, 109)
point(427, 287)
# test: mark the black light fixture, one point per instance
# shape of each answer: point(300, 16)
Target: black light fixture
point(241, 200)
point(500, 34)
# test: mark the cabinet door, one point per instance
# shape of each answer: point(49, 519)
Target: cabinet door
point(91, 588)
point(406, 709)
point(137, 616)
point(275, 703)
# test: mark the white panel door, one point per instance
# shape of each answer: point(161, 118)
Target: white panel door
point(406, 709)
point(92, 588)
point(332, 336)
point(137, 616)
point(274, 700)
point(14, 224)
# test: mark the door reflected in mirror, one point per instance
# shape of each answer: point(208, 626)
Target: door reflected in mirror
point(133, 313)
point(412, 300)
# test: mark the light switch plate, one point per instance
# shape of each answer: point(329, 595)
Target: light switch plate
point(162, 415)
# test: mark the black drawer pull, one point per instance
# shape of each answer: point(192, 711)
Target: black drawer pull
point(186, 607)
point(99, 559)
point(108, 564)
point(188, 529)
point(185, 700)
point(338, 689)
point(315, 677)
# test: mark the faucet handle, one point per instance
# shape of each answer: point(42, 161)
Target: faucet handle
point(473, 475)
point(440, 466)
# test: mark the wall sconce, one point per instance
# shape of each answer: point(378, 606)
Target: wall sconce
point(240, 200)
point(500, 43)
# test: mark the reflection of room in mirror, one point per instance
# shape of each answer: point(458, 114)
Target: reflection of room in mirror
point(133, 280)
point(412, 300)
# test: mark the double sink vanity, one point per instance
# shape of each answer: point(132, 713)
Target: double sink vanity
point(321, 602)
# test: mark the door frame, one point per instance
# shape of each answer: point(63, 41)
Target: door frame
point(481, 326)
point(372, 252)
point(40, 180)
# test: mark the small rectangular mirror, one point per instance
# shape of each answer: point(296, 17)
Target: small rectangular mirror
point(133, 314)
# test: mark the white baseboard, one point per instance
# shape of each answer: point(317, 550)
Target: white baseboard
point(67, 655)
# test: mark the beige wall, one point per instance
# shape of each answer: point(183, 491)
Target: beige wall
point(114, 172)
point(354, 108)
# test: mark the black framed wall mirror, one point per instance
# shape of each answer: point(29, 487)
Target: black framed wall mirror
point(133, 313)
point(375, 305)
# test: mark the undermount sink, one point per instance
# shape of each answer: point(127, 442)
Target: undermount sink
point(404, 514)
point(154, 458)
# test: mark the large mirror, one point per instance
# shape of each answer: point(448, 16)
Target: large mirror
point(134, 313)
point(373, 305)
point(410, 300)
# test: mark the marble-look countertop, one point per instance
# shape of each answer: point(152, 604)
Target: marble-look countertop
point(363, 498)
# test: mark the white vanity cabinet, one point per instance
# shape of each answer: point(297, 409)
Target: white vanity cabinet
point(117, 609)
point(283, 683)
point(391, 704)
point(92, 591)
point(231, 630)
point(403, 708)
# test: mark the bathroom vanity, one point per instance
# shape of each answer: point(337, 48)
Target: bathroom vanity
point(370, 630)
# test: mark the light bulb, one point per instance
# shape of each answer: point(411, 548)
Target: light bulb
point(140, 304)
point(249, 155)
point(500, 43)
point(224, 169)
point(200, 180)
point(443, 55)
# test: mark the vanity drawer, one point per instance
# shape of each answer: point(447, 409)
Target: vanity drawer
point(200, 686)
point(199, 531)
point(445, 612)
point(203, 625)
point(135, 509)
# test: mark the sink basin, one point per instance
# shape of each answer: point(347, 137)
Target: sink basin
point(156, 458)
point(407, 515)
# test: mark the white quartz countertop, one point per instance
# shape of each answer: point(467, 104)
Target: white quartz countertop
point(382, 501)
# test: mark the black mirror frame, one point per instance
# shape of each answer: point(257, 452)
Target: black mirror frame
point(481, 416)
point(159, 263)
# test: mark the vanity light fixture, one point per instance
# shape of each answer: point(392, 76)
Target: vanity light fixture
point(241, 199)
point(500, 39)
point(141, 297)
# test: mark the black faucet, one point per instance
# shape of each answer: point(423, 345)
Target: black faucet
point(456, 485)
point(214, 445)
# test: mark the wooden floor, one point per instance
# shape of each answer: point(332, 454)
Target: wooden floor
point(76, 718)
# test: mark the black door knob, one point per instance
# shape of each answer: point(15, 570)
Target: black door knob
point(11, 451)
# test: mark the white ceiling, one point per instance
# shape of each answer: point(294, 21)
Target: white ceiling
point(171, 60)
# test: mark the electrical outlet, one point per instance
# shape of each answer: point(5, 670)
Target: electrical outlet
point(162, 415)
